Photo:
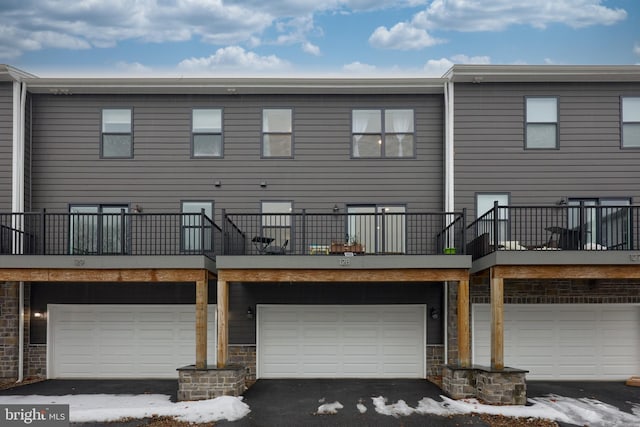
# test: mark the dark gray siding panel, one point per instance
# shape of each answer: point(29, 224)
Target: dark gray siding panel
point(6, 145)
point(490, 154)
point(67, 168)
point(27, 155)
point(244, 295)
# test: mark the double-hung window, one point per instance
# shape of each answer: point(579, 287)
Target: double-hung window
point(117, 140)
point(276, 225)
point(382, 133)
point(484, 204)
point(277, 132)
point(98, 229)
point(379, 229)
point(542, 123)
point(195, 228)
point(206, 129)
point(631, 122)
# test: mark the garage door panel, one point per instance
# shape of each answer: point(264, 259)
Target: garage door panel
point(132, 341)
point(591, 341)
point(341, 341)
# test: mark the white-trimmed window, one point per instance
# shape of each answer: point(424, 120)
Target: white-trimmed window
point(97, 229)
point(193, 228)
point(382, 133)
point(206, 133)
point(542, 123)
point(277, 132)
point(631, 122)
point(116, 141)
point(484, 203)
point(276, 223)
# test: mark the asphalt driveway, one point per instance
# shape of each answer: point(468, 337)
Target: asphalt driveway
point(295, 402)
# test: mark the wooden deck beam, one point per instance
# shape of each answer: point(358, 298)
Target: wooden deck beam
point(99, 275)
point(223, 323)
point(307, 275)
point(202, 305)
point(464, 335)
point(497, 321)
point(629, 271)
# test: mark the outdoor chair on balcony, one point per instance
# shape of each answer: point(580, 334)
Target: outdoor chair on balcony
point(277, 250)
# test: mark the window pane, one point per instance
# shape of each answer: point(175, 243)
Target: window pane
point(116, 121)
point(283, 208)
point(541, 136)
point(399, 145)
point(116, 145)
point(196, 207)
point(207, 121)
point(485, 203)
point(276, 120)
point(207, 145)
point(366, 121)
point(367, 145)
point(398, 121)
point(276, 146)
point(631, 135)
point(542, 110)
point(631, 109)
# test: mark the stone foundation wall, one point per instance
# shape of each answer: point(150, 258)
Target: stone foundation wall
point(585, 291)
point(452, 324)
point(9, 295)
point(435, 361)
point(202, 384)
point(495, 387)
point(37, 360)
point(244, 355)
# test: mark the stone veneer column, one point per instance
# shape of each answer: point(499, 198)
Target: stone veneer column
point(9, 295)
point(210, 382)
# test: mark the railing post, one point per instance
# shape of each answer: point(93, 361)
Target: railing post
point(225, 233)
point(304, 231)
point(43, 232)
point(202, 228)
point(496, 227)
point(463, 239)
point(123, 233)
point(383, 247)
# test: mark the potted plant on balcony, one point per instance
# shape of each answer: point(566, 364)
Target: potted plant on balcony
point(351, 244)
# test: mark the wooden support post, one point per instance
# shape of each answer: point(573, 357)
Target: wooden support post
point(497, 321)
point(202, 302)
point(464, 353)
point(223, 323)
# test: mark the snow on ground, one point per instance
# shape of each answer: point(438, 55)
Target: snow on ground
point(109, 407)
point(581, 411)
point(104, 408)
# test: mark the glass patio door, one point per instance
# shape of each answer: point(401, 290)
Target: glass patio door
point(380, 229)
point(96, 230)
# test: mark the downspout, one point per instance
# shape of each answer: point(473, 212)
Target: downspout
point(17, 201)
point(449, 204)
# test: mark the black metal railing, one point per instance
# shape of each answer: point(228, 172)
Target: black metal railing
point(123, 233)
point(565, 227)
point(306, 233)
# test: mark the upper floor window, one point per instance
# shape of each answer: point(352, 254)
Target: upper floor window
point(117, 141)
point(206, 129)
point(542, 123)
point(382, 133)
point(631, 122)
point(277, 132)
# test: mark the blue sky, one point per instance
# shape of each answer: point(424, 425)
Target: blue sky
point(311, 37)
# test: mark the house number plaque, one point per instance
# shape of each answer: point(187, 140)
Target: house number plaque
point(634, 257)
point(344, 262)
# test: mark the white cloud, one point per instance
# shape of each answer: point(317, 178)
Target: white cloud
point(311, 48)
point(437, 67)
point(359, 68)
point(496, 15)
point(233, 58)
point(133, 67)
point(636, 49)
point(402, 36)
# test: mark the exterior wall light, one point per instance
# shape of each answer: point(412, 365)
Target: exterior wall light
point(249, 313)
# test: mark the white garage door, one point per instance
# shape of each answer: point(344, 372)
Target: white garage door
point(339, 341)
point(124, 341)
point(564, 341)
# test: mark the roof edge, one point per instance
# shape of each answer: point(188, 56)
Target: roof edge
point(9, 73)
point(543, 73)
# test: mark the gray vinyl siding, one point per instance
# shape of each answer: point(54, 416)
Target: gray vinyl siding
point(67, 168)
point(6, 145)
point(489, 144)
